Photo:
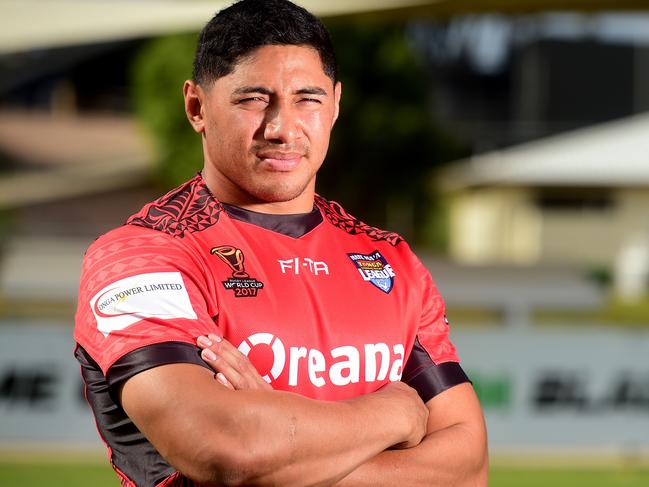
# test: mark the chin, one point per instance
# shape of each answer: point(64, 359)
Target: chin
point(278, 193)
point(276, 196)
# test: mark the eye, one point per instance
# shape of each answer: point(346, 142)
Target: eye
point(253, 101)
point(310, 101)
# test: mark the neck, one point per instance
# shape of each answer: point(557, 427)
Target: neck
point(291, 207)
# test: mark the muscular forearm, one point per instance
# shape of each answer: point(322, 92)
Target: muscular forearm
point(447, 458)
point(294, 441)
point(262, 437)
point(453, 453)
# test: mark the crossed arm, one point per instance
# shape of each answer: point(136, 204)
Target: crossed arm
point(238, 431)
point(452, 453)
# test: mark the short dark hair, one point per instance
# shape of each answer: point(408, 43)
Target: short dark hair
point(249, 24)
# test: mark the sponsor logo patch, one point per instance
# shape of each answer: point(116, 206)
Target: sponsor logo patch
point(240, 282)
point(159, 295)
point(296, 266)
point(374, 269)
point(340, 366)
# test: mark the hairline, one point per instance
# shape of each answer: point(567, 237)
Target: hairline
point(242, 58)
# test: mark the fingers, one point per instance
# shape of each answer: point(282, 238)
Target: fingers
point(221, 378)
point(234, 370)
point(407, 406)
point(222, 363)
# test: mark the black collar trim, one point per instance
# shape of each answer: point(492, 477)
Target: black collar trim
point(294, 226)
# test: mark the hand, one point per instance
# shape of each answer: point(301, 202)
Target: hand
point(408, 406)
point(233, 369)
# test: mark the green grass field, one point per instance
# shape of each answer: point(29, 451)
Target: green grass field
point(27, 474)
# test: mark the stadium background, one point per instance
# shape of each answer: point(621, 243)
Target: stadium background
point(520, 131)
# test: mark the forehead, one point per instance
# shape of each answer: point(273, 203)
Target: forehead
point(283, 64)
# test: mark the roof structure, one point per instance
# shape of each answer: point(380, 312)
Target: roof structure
point(70, 155)
point(28, 24)
point(32, 24)
point(610, 154)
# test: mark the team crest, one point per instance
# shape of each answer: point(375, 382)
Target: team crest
point(240, 282)
point(375, 269)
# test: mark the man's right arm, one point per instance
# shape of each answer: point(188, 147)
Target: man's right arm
point(215, 435)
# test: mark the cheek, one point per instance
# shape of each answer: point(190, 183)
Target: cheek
point(236, 132)
point(242, 125)
point(317, 126)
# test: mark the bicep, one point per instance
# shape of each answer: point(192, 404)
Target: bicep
point(177, 407)
point(457, 405)
point(455, 414)
point(161, 393)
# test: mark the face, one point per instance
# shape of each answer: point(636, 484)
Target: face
point(265, 128)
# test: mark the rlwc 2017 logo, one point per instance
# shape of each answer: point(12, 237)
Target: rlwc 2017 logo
point(340, 366)
point(374, 269)
point(240, 282)
point(155, 295)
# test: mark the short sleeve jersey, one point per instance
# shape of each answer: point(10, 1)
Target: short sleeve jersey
point(322, 304)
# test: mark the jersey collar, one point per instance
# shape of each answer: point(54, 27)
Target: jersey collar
point(295, 225)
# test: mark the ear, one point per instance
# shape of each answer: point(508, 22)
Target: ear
point(194, 98)
point(338, 88)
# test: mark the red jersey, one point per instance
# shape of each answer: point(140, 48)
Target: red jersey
point(322, 304)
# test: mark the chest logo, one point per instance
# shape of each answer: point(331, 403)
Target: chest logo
point(375, 269)
point(340, 366)
point(295, 265)
point(240, 282)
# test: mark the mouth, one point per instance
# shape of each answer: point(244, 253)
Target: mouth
point(280, 161)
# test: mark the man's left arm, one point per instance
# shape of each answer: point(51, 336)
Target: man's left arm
point(453, 452)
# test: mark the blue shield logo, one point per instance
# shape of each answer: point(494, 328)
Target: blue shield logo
point(374, 269)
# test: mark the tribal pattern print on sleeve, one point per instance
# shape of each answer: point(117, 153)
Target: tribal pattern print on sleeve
point(188, 208)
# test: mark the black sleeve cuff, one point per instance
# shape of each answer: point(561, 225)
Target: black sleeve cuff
point(436, 379)
point(148, 357)
point(428, 378)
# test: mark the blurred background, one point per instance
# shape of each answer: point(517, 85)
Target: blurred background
point(507, 141)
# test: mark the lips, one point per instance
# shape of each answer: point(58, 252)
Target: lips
point(280, 161)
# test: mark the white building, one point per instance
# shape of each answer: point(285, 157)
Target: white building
point(577, 198)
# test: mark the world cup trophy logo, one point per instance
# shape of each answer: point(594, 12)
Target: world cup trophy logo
point(240, 283)
point(233, 257)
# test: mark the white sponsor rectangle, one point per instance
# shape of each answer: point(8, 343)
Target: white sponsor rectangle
point(159, 295)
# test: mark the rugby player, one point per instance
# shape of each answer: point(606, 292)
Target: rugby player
point(243, 330)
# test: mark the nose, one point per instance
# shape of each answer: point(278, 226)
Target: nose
point(281, 125)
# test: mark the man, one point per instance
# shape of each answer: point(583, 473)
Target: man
point(272, 281)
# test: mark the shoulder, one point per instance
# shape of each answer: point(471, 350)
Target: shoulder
point(157, 236)
point(123, 243)
point(384, 244)
point(151, 241)
point(188, 208)
point(336, 215)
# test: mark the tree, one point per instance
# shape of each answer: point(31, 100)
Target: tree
point(386, 142)
point(160, 68)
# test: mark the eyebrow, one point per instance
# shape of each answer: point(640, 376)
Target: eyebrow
point(244, 90)
point(311, 90)
point(307, 90)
